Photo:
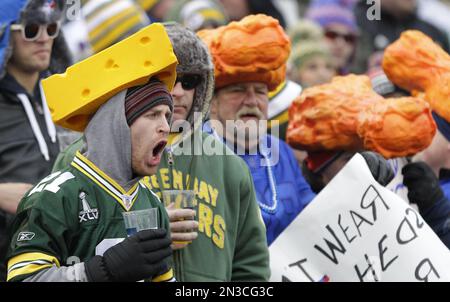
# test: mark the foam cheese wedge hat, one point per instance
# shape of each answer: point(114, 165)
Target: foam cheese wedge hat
point(74, 96)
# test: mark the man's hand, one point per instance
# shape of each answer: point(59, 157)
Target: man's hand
point(136, 258)
point(423, 185)
point(11, 194)
point(379, 167)
point(183, 227)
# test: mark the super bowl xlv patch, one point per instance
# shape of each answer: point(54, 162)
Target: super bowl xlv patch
point(87, 213)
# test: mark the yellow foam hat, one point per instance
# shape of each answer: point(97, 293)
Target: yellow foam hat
point(74, 97)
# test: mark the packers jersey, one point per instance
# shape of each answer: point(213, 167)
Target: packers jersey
point(73, 215)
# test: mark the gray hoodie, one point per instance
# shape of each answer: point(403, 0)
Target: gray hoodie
point(108, 146)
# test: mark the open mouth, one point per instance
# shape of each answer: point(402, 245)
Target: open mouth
point(157, 150)
point(249, 116)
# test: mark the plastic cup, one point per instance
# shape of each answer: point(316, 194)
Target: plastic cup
point(182, 199)
point(136, 221)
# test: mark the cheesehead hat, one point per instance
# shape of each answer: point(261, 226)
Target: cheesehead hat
point(74, 97)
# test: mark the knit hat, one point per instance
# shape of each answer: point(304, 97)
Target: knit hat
point(305, 30)
point(148, 5)
point(193, 58)
point(307, 40)
point(198, 14)
point(382, 85)
point(141, 98)
point(111, 21)
point(306, 50)
point(328, 12)
point(32, 11)
point(255, 49)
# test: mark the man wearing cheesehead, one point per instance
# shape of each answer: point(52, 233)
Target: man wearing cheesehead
point(244, 75)
point(230, 244)
point(120, 99)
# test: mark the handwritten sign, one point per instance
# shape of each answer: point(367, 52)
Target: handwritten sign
point(357, 230)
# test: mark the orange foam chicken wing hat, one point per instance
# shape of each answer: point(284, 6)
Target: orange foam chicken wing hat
point(347, 114)
point(397, 127)
point(325, 117)
point(254, 49)
point(415, 63)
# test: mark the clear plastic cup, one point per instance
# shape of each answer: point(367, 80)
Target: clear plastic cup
point(136, 221)
point(182, 199)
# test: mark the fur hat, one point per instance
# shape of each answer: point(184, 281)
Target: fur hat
point(193, 58)
point(32, 11)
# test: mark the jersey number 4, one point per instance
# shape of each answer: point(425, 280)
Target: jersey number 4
point(57, 180)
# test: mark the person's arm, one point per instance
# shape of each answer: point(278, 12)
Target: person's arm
point(39, 248)
point(379, 167)
point(10, 195)
point(136, 258)
point(251, 256)
point(74, 273)
point(425, 191)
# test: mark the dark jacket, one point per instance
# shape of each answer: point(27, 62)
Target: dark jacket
point(21, 159)
point(377, 34)
point(5, 224)
point(438, 216)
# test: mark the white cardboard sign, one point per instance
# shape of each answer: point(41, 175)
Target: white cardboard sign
point(357, 230)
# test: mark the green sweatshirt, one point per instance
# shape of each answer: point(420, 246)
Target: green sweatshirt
point(231, 245)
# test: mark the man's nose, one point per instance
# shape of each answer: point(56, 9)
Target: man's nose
point(43, 36)
point(250, 98)
point(165, 126)
point(177, 90)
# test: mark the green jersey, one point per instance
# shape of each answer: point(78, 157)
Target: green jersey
point(73, 215)
point(231, 243)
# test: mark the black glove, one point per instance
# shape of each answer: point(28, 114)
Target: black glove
point(136, 258)
point(423, 185)
point(380, 168)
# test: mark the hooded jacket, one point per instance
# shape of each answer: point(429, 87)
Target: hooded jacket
point(27, 133)
point(231, 245)
point(28, 144)
point(108, 149)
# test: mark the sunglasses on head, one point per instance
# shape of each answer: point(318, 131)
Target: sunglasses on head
point(333, 35)
point(32, 32)
point(189, 81)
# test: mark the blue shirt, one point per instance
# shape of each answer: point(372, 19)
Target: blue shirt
point(292, 190)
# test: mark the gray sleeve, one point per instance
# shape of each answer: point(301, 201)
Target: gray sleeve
point(74, 273)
